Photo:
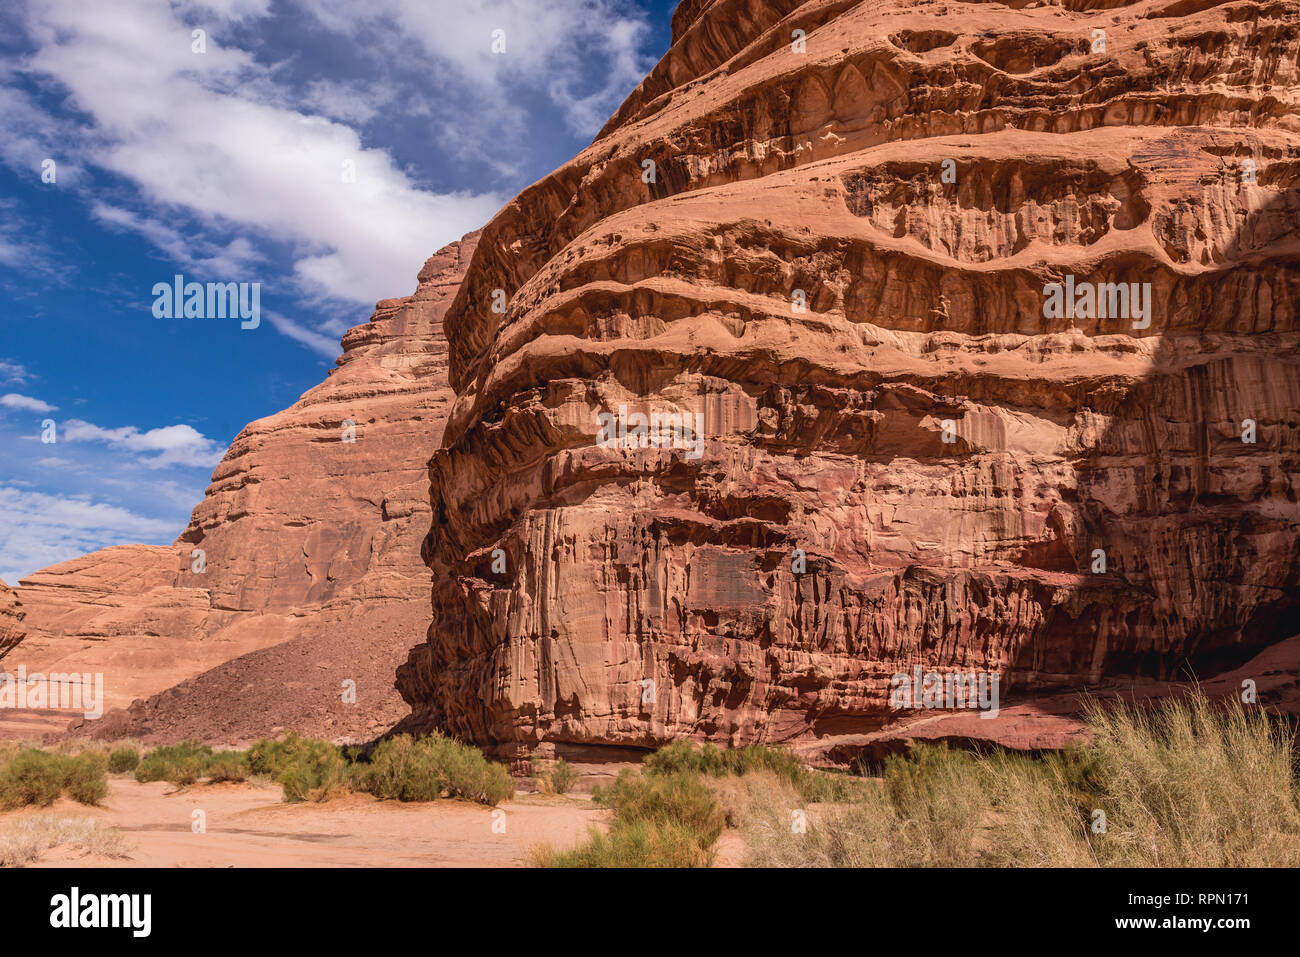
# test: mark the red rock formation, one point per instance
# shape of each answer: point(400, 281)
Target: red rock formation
point(839, 255)
point(11, 618)
point(305, 537)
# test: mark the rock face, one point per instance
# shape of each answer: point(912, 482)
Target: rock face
point(11, 618)
point(310, 532)
point(833, 231)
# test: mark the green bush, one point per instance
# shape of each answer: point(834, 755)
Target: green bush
point(31, 777)
point(85, 777)
point(425, 769)
point(554, 777)
point(315, 775)
point(681, 756)
point(306, 769)
point(123, 760)
point(181, 764)
point(665, 819)
point(271, 756)
point(638, 844)
point(227, 766)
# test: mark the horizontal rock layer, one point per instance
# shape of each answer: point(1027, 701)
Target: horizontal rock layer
point(840, 256)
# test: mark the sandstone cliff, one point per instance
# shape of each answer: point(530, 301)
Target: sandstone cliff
point(830, 229)
point(11, 618)
point(309, 535)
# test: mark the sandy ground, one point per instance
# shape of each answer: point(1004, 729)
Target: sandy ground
point(248, 826)
point(33, 724)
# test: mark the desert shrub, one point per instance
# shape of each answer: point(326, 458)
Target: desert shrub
point(305, 769)
point(227, 766)
point(123, 760)
point(270, 756)
point(85, 777)
point(425, 769)
point(181, 764)
point(554, 777)
point(32, 777)
point(636, 844)
point(666, 819)
point(679, 797)
point(315, 776)
point(35, 777)
point(23, 841)
point(925, 812)
point(681, 756)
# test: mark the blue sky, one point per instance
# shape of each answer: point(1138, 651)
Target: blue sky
point(227, 166)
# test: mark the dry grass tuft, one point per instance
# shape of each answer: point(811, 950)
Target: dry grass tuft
point(27, 838)
point(1185, 783)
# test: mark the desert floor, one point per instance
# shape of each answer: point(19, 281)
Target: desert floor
point(247, 825)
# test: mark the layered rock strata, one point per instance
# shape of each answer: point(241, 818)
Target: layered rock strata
point(836, 233)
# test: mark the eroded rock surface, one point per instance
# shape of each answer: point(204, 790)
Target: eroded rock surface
point(11, 618)
point(841, 261)
point(303, 535)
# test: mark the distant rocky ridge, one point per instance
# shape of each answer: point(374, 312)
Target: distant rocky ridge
point(306, 539)
point(830, 228)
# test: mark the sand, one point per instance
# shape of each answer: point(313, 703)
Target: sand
point(247, 825)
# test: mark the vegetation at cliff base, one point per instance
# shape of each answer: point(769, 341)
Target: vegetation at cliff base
point(425, 769)
point(1185, 782)
point(401, 768)
point(670, 819)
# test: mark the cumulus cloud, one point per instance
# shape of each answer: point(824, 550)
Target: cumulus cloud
point(156, 448)
point(41, 529)
point(206, 135)
point(25, 403)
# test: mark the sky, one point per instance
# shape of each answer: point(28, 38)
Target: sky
point(321, 148)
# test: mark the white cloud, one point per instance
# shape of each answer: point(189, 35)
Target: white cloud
point(323, 345)
point(229, 10)
point(345, 103)
point(13, 372)
point(41, 530)
point(21, 245)
point(207, 258)
point(203, 135)
point(559, 47)
point(234, 162)
point(157, 448)
point(25, 403)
